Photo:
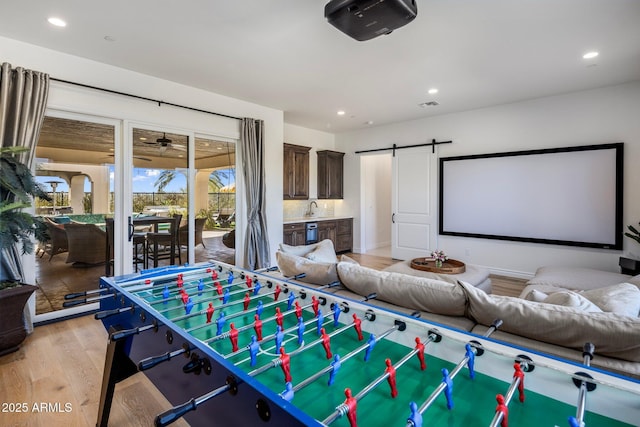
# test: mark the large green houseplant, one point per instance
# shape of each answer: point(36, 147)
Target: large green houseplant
point(17, 232)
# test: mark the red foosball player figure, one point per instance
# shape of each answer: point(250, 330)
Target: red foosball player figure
point(357, 324)
point(352, 404)
point(420, 354)
point(210, 311)
point(247, 300)
point(214, 275)
point(326, 343)
point(315, 303)
point(185, 296)
point(219, 289)
point(502, 408)
point(257, 326)
point(391, 379)
point(519, 374)
point(298, 310)
point(285, 364)
point(276, 293)
point(233, 336)
point(279, 318)
point(249, 281)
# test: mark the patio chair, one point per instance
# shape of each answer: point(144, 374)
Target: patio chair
point(57, 242)
point(165, 244)
point(87, 244)
point(184, 233)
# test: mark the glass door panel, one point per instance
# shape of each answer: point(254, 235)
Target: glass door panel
point(74, 163)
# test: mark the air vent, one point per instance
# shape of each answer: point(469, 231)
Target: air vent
point(428, 104)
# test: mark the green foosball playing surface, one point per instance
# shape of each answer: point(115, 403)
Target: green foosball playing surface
point(474, 400)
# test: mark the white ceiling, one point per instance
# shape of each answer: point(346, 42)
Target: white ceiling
point(283, 54)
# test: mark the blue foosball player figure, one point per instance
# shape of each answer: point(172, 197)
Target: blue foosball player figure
point(220, 323)
point(415, 419)
point(300, 330)
point(335, 367)
point(279, 337)
point(372, 342)
point(448, 389)
point(254, 348)
point(288, 392)
point(471, 355)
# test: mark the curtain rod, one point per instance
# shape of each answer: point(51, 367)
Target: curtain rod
point(159, 102)
point(395, 147)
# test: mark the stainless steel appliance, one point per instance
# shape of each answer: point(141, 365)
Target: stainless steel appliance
point(311, 234)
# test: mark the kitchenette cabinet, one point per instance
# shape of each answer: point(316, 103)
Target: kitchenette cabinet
point(339, 231)
point(296, 172)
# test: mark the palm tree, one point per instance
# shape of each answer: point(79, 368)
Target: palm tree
point(216, 179)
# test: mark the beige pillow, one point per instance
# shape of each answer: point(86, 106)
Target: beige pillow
point(572, 299)
point(323, 252)
point(635, 280)
point(412, 292)
point(344, 258)
point(623, 298)
point(535, 295)
point(319, 273)
point(301, 250)
point(613, 335)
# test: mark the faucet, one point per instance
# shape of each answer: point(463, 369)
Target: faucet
point(313, 202)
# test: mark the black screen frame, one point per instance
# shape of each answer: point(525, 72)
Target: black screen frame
point(619, 180)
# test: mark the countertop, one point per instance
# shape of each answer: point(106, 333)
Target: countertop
point(314, 219)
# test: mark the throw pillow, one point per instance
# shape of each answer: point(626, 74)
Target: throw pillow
point(344, 258)
point(571, 299)
point(535, 295)
point(417, 293)
point(323, 252)
point(301, 250)
point(623, 298)
point(319, 273)
point(635, 280)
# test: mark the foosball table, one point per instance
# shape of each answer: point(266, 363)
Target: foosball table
point(231, 347)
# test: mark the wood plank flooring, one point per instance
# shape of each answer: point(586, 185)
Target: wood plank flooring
point(60, 365)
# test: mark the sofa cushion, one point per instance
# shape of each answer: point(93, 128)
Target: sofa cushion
point(612, 334)
point(635, 280)
point(302, 250)
point(623, 298)
point(319, 273)
point(412, 292)
point(576, 278)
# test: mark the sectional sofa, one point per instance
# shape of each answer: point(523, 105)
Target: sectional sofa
point(547, 318)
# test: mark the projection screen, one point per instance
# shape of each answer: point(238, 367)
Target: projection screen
point(565, 196)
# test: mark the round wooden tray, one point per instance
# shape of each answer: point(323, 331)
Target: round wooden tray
point(450, 266)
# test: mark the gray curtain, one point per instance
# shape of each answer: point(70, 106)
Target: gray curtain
point(256, 242)
point(23, 100)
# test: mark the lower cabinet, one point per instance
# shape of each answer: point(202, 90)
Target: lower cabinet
point(344, 235)
point(339, 231)
point(294, 234)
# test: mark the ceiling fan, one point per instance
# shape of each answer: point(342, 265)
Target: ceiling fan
point(164, 143)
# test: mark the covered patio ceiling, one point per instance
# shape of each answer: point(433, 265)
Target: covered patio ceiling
point(72, 141)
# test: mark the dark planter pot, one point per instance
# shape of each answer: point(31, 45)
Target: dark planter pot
point(629, 266)
point(12, 331)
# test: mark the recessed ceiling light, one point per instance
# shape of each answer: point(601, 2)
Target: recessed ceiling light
point(433, 91)
point(142, 138)
point(341, 112)
point(57, 22)
point(590, 55)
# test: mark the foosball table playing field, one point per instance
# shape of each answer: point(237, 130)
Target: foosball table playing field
point(231, 347)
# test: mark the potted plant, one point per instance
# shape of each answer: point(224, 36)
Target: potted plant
point(628, 265)
point(17, 229)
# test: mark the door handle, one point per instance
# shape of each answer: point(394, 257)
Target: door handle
point(131, 229)
point(393, 218)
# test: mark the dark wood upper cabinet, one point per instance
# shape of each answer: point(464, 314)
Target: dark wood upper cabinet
point(330, 174)
point(296, 172)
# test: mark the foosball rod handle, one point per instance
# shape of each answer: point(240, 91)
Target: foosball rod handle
point(84, 293)
point(175, 413)
point(67, 304)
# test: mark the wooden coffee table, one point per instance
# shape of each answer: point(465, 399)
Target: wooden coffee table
point(450, 266)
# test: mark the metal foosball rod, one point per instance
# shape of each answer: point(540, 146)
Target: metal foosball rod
point(90, 300)
point(578, 420)
point(345, 409)
point(501, 414)
point(443, 385)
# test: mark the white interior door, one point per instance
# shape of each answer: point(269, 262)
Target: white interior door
point(414, 220)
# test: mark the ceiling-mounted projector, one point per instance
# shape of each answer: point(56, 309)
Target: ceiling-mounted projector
point(366, 19)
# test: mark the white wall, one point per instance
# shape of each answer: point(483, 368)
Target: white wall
point(598, 116)
point(376, 197)
point(71, 98)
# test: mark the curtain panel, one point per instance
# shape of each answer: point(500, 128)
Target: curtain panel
point(23, 101)
point(256, 244)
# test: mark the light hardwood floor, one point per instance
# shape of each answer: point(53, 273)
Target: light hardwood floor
point(62, 363)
